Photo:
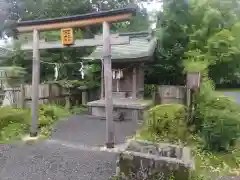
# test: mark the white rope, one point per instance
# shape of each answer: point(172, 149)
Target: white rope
point(56, 71)
point(73, 63)
point(62, 64)
point(114, 74)
point(82, 70)
point(117, 73)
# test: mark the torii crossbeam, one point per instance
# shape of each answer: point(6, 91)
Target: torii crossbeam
point(115, 40)
point(104, 18)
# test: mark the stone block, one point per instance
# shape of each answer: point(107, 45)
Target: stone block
point(117, 95)
point(150, 161)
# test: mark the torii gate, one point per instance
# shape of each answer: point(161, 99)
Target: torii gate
point(66, 24)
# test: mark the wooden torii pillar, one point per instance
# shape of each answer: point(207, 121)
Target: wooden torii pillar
point(104, 18)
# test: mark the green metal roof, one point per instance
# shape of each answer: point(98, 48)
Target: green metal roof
point(142, 46)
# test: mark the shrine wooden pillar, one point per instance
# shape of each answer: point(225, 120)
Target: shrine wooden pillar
point(102, 80)
point(134, 93)
point(134, 83)
point(35, 83)
point(108, 85)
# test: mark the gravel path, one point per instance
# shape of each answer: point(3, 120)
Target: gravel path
point(63, 156)
point(91, 131)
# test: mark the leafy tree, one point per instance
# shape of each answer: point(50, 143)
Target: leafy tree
point(213, 31)
point(208, 27)
point(172, 42)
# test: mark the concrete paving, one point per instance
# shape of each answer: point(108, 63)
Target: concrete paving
point(234, 95)
point(70, 154)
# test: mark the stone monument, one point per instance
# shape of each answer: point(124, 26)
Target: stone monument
point(143, 160)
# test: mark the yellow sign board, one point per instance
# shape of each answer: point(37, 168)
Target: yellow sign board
point(67, 36)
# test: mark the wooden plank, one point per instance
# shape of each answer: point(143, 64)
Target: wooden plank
point(22, 96)
point(35, 83)
point(67, 101)
point(78, 43)
point(84, 98)
point(50, 93)
point(72, 24)
point(108, 85)
point(134, 83)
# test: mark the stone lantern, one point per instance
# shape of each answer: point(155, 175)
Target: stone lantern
point(11, 79)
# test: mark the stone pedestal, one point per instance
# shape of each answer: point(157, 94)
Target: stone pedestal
point(126, 107)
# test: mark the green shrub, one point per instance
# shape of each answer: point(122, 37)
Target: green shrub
point(168, 121)
point(49, 113)
point(211, 103)
point(79, 109)
point(53, 111)
point(13, 131)
point(46, 110)
point(149, 90)
point(199, 177)
point(44, 121)
point(14, 122)
point(10, 115)
point(220, 129)
point(216, 119)
point(219, 102)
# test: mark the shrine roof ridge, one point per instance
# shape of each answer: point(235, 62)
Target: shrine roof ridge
point(137, 34)
point(141, 48)
point(100, 14)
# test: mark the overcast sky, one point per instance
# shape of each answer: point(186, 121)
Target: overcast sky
point(154, 6)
